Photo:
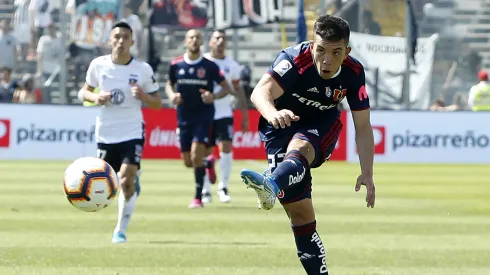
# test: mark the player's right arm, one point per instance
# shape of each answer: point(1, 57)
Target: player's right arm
point(170, 90)
point(91, 82)
point(282, 73)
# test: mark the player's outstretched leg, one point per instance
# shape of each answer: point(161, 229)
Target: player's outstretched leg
point(210, 171)
point(225, 165)
point(126, 201)
point(310, 248)
point(287, 174)
point(206, 190)
point(197, 156)
point(137, 183)
point(209, 162)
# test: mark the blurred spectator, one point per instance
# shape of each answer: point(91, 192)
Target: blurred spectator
point(459, 104)
point(49, 49)
point(7, 85)
point(370, 26)
point(26, 92)
point(163, 13)
point(81, 53)
point(135, 5)
point(437, 105)
point(40, 15)
point(137, 27)
point(8, 46)
point(21, 27)
point(479, 97)
point(183, 13)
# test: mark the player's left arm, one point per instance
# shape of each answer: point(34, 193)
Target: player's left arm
point(358, 100)
point(217, 77)
point(240, 94)
point(149, 91)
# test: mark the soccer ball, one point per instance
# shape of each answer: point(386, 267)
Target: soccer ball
point(90, 184)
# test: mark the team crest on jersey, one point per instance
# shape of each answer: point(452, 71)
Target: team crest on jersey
point(201, 72)
point(226, 69)
point(132, 81)
point(328, 91)
point(117, 97)
point(338, 94)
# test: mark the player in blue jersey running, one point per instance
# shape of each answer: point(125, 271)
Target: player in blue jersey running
point(190, 84)
point(298, 99)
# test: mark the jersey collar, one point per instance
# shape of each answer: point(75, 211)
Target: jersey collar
point(192, 62)
point(337, 73)
point(130, 60)
point(214, 58)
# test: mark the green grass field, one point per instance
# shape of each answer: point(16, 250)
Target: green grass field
point(427, 220)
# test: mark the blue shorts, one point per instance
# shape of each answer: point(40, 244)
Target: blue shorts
point(199, 132)
point(323, 136)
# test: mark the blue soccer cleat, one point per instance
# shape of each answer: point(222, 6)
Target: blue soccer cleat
point(118, 237)
point(267, 172)
point(265, 188)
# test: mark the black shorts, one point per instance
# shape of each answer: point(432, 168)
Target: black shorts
point(128, 152)
point(222, 131)
point(323, 136)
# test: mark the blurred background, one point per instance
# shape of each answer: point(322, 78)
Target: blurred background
point(47, 45)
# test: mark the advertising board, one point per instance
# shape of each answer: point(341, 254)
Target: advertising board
point(42, 132)
point(427, 137)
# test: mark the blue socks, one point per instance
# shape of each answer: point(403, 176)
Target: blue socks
point(311, 251)
point(291, 171)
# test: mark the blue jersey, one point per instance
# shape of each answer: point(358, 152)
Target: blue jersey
point(309, 96)
point(189, 77)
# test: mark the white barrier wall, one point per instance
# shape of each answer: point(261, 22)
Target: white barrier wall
point(46, 132)
point(50, 132)
point(427, 137)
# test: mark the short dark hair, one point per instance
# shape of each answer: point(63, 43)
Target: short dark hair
point(218, 31)
point(332, 28)
point(123, 25)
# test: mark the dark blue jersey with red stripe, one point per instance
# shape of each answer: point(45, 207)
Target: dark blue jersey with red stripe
point(311, 97)
point(189, 77)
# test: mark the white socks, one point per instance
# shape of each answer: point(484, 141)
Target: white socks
point(206, 189)
point(125, 210)
point(224, 169)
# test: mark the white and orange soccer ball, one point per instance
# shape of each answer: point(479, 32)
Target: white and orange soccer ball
point(90, 184)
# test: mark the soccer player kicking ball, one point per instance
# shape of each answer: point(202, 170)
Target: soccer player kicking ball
point(125, 83)
point(223, 118)
point(298, 98)
point(190, 84)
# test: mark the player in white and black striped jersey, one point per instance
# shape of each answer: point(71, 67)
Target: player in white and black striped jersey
point(125, 83)
point(222, 133)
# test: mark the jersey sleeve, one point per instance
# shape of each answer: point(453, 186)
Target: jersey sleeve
point(171, 74)
point(283, 70)
point(217, 74)
point(357, 96)
point(92, 78)
point(150, 85)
